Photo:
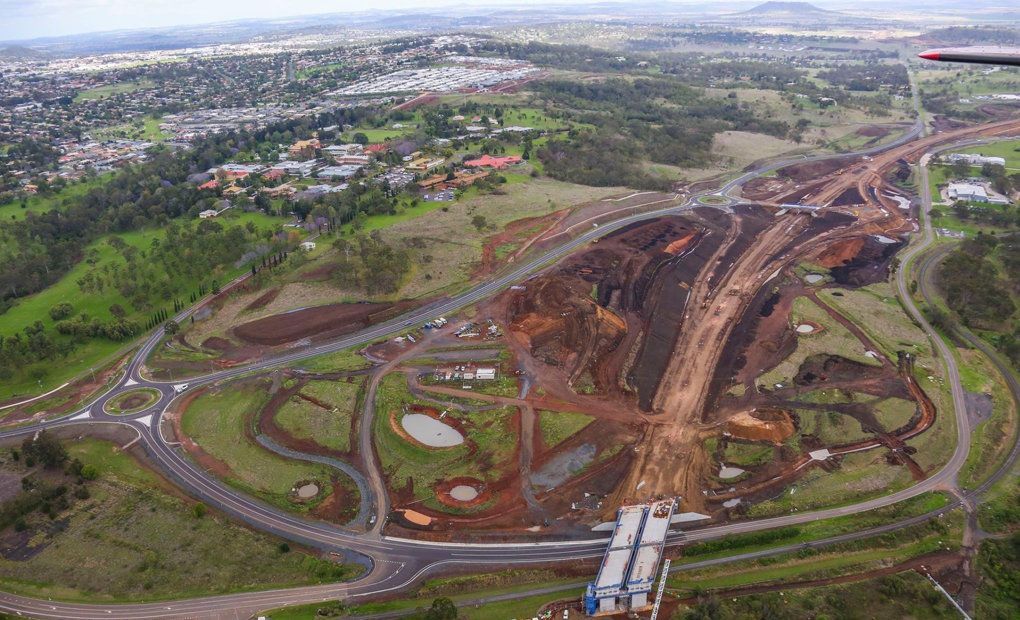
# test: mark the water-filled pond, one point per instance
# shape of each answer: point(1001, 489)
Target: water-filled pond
point(431, 431)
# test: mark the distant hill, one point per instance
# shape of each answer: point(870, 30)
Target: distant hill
point(20, 52)
point(787, 9)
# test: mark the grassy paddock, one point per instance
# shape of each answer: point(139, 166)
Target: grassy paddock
point(217, 421)
point(133, 541)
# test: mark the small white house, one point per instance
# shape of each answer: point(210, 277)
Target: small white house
point(208, 213)
point(307, 246)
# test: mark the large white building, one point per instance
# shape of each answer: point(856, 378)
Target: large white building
point(967, 192)
point(975, 159)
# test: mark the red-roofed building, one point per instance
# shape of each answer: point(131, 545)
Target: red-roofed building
point(487, 161)
point(374, 149)
point(274, 174)
point(209, 184)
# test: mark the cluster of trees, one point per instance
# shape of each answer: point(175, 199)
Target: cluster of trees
point(972, 284)
point(28, 346)
point(50, 494)
point(84, 326)
point(371, 264)
point(869, 76)
point(659, 120)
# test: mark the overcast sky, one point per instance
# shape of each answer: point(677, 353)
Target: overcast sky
point(25, 19)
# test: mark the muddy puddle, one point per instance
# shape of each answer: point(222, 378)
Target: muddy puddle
point(728, 471)
point(463, 493)
point(813, 278)
point(307, 491)
point(430, 431)
point(563, 466)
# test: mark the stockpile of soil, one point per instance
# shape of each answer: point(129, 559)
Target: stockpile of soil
point(772, 425)
point(810, 171)
point(869, 265)
point(848, 198)
point(873, 131)
point(321, 321)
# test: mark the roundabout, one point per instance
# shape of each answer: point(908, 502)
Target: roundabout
point(132, 401)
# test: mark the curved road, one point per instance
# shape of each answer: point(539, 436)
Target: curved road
point(397, 562)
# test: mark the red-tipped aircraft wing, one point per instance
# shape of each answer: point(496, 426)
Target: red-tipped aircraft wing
point(979, 55)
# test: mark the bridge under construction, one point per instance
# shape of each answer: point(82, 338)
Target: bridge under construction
point(628, 569)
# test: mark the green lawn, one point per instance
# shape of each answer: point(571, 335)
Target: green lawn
point(347, 359)
point(747, 454)
point(133, 541)
point(557, 426)
point(830, 427)
point(217, 421)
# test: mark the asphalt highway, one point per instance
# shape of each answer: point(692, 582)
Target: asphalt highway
point(395, 563)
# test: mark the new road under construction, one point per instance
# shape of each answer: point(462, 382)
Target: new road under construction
point(628, 569)
point(590, 331)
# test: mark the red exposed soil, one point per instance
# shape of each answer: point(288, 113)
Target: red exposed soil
point(320, 273)
point(772, 425)
point(839, 253)
point(520, 233)
point(873, 131)
point(620, 339)
point(264, 299)
point(816, 169)
point(215, 343)
point(319, 321)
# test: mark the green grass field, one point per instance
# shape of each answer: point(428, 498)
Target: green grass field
point(218, 422)
point(347, 359)
point(861, 475)
point(830, 427)
point(109, 90)
point(306, 420)
point(97, 352)
point(558, 426)
point(747, 454)
point(990, 438)
point(146, 129)
point(134, 541)
point(132, 401)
